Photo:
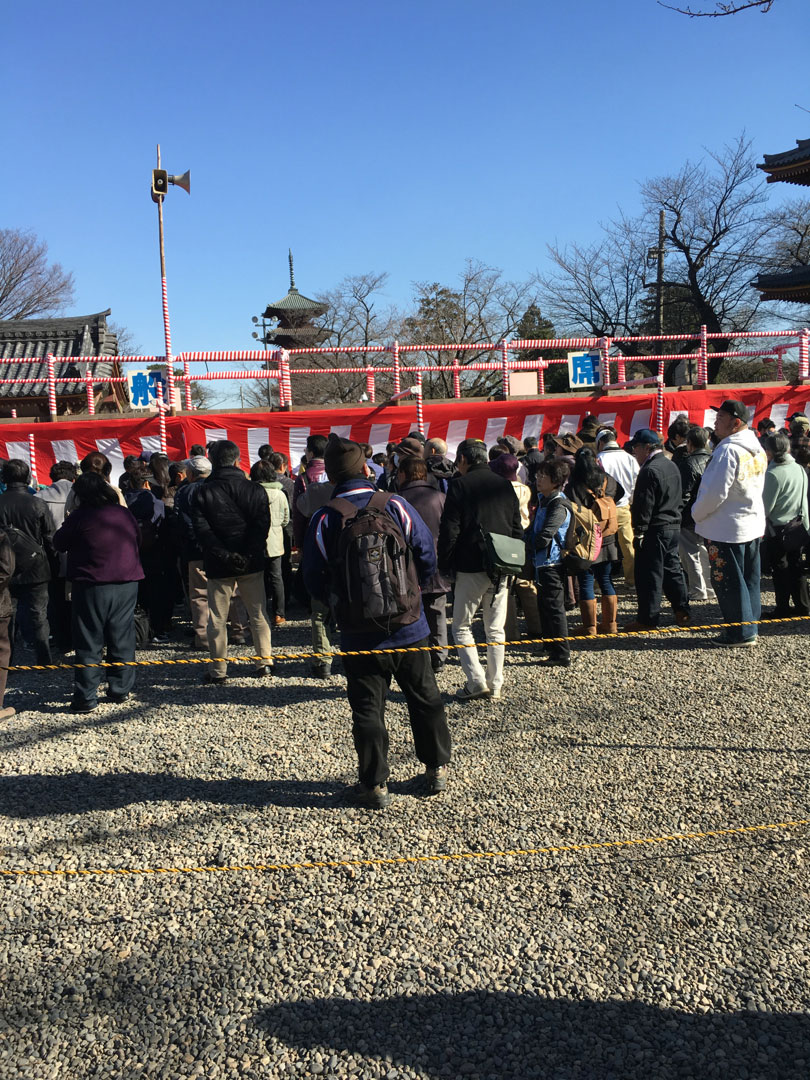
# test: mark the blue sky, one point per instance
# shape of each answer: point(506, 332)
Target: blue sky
point(367, 137)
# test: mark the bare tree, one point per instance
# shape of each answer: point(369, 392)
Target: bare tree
point(356, 316)
point(789, 242)
point(484, 308)
point(30, 286)
point(715, 232)
point(722, 9)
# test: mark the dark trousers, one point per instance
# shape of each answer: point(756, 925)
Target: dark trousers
point(5, 656)
point(156, 592)
point(274, 584)
point(30, 608)
point(435, 608)
point(736, 581)
point(789, 583)
point(368, 681)
point(658, 569)
point(551, 588)
point(103, 615)
point(286, 563)
point(59, 614)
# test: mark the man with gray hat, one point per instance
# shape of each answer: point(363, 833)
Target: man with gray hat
point(656, 519)
point(197, 468)
point(730, 515)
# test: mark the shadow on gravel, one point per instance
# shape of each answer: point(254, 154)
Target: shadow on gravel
point(38, 795)
point(520, 1036)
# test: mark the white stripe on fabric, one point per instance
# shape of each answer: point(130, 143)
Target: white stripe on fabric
point(379, 437)
point(65, 450)
point(674, 414)
point(343, 431)
point(19, 450)
point(607, 418)
point(216, 434)
point(112, 449)
point(496, 426)
point(709, 417)
point(641, 418)
point(401, 506)
point(779, 414)
point(456, 433)
point(298, 444)
point(532, 426)
point(256, 437)
point(150, 444)
point(569, 424)
point(319, 536)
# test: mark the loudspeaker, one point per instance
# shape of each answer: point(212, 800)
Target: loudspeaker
point(183, 181)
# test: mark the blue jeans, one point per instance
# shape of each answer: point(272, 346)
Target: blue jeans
point(735, 577)
point(599, 572)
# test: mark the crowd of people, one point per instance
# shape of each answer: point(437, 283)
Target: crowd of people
point(93, 566)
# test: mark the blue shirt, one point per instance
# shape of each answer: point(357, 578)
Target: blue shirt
point(320, 549)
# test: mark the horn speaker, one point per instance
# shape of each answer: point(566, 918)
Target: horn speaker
point(183, 181)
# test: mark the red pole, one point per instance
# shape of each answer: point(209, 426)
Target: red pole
point(51, 386)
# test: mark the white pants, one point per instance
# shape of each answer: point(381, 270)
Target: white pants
point(695, 560)
point(471, 591)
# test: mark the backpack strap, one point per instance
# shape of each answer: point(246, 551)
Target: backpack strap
point(345, 507)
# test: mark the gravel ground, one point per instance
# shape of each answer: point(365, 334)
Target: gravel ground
point(688, 959)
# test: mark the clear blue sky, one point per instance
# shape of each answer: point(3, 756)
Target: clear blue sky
point(365, 136)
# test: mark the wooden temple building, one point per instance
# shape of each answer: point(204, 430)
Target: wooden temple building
point(293, 315)
point(68, 338)
point(791, 167)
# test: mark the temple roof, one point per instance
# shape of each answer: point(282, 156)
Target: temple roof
point(294, 301)
point(789, 285)
point(791, 166)
point(64, 336)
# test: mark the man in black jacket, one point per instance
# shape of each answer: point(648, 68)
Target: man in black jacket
point(691, 547)
point(478, 501)
point(656, 524)
point(231, 519)
point(30, 529)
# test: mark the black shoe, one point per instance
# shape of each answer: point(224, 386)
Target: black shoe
point(776, 614)
point(370, 798)
point(117, 699)
point(83, 706)
point(547, 661)
point(321, 672)
point(261, 672)
point(214, 680)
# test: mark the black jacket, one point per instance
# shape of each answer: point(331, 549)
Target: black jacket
point(480, 500)
point(429, 504)
point(230, 515)
point(7, 565)
point(692, 467)
point(19, 508)
point(658, 494)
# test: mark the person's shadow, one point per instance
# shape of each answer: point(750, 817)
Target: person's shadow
point(507, 1035)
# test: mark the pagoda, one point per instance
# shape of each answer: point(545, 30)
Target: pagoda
point(294, 314)
point(789, 167)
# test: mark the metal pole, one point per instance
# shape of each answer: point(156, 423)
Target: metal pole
point(659, 275)
point(167, 333)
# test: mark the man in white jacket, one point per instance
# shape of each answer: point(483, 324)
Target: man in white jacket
point(729, 514)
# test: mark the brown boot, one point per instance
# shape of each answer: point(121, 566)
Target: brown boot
point(588, 611)
point(610, 606)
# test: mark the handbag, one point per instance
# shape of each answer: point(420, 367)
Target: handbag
point(792, 536)
point(503, 555)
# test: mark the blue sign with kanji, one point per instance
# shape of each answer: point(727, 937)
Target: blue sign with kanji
point(142, 386)
point(584, 369)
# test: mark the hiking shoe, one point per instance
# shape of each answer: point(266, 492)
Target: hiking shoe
point(683, 618)
point(547, 661)
point(214, 680)
point(117, 699)
point(730, 643)
point(261, 672)
point(83, 706)
point(322, 671)
point(436, 779)
point(464, 694)
point(371, 798)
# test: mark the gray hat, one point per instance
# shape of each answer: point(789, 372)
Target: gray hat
point(199, 465)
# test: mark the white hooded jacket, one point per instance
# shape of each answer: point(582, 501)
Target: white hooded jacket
point(729, 507)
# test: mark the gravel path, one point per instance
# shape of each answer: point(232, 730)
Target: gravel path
point(688, 959)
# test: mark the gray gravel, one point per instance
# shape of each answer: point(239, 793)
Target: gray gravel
point(688, 959)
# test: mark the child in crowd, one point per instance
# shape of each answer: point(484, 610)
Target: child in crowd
point(546, 539)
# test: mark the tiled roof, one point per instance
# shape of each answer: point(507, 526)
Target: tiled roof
point(791, 166)
point(791, 285)
point(74, 336)
point(294, 301)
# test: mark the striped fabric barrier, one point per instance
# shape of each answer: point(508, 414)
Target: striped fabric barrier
point(71, 440)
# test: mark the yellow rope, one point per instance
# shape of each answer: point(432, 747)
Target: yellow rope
point(410, 648)
point(401, 860)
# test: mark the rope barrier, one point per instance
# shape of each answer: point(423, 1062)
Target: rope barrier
point(403, 860)
point(605, 638)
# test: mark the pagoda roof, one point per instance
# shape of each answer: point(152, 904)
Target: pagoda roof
point(295, 301)
point(792, 286)
point(63, 336)
point(791, 166)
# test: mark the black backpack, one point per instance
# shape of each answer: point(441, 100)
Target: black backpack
point(374, 585)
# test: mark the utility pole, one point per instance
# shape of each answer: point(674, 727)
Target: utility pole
point(657, 253)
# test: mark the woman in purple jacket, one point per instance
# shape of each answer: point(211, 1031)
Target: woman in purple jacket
point(101, 541)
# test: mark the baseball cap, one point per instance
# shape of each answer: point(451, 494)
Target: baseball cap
point(736, 409)
point(646, 437)
point(200, 465)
